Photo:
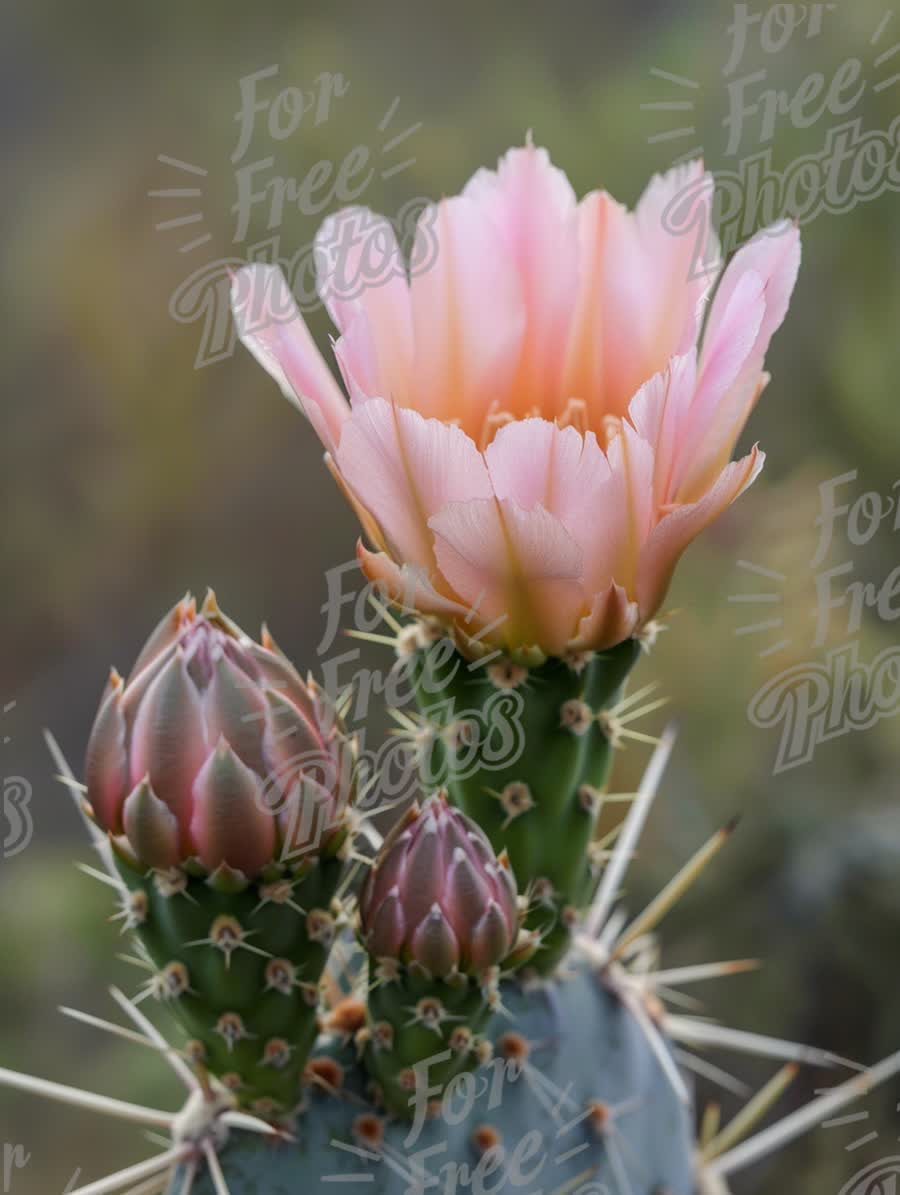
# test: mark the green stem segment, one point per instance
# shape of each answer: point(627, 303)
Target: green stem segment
point(239, 966)
point(526, 753)
point(422, 1034)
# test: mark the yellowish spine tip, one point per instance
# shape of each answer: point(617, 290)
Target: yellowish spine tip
point(210, 608)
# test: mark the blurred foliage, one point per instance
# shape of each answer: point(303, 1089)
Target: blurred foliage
point(129, 475)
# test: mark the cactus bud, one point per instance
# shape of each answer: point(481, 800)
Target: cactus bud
point(223, 780)
point(215, 750)
point(438, 896)
point(439, 915)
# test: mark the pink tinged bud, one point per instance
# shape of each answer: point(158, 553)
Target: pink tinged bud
point(166, 633)
point(236, 709)
point(306, 817)
point(507, 893)
point(139, 683)
point(477, 844)
point(291, 747)
point(279, 674)
point(458, 900)
point(344, 758)
point(388, 874)
point(434, 945)
point(425, 877)
point(457, 837)
point(169, 740)
point(106, 766)
point(491, 939)
point(387, 928)
point(151, 828)
point(230, 824)
point(467, 892)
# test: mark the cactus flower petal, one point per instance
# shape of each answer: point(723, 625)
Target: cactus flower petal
point(271, 326)
point(672, 535)
point(419, 466)
point(388, 875)
point(506, 893)
point(352, 246)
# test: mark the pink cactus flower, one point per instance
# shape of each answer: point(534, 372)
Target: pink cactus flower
point(536, 427)
point(214, 750)
point(437, 895)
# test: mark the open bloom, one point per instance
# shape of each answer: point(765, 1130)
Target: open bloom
point(536, 428)
point(215, 751)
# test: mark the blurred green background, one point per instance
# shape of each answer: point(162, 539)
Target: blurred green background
point(130, 475)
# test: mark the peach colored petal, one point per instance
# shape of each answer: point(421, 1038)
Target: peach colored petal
point(520, 570)
point(644, 277)
point(404, 468)
point(612, 619)
point(582, 374)
point(362, 280)
point(533, 206)
point(468, 315)
point(357, 359)
point(659, 413)
point(674, 216)
point(534, 462)
point(407, 585)
point(676, 530)
point(748, 308)
point(629, 514)
point(774, 256)
point(271, 327)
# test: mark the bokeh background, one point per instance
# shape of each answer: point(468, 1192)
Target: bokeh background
point(130, 475)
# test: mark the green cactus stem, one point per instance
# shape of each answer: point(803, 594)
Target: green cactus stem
point(238, 965)
point(526, 753)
